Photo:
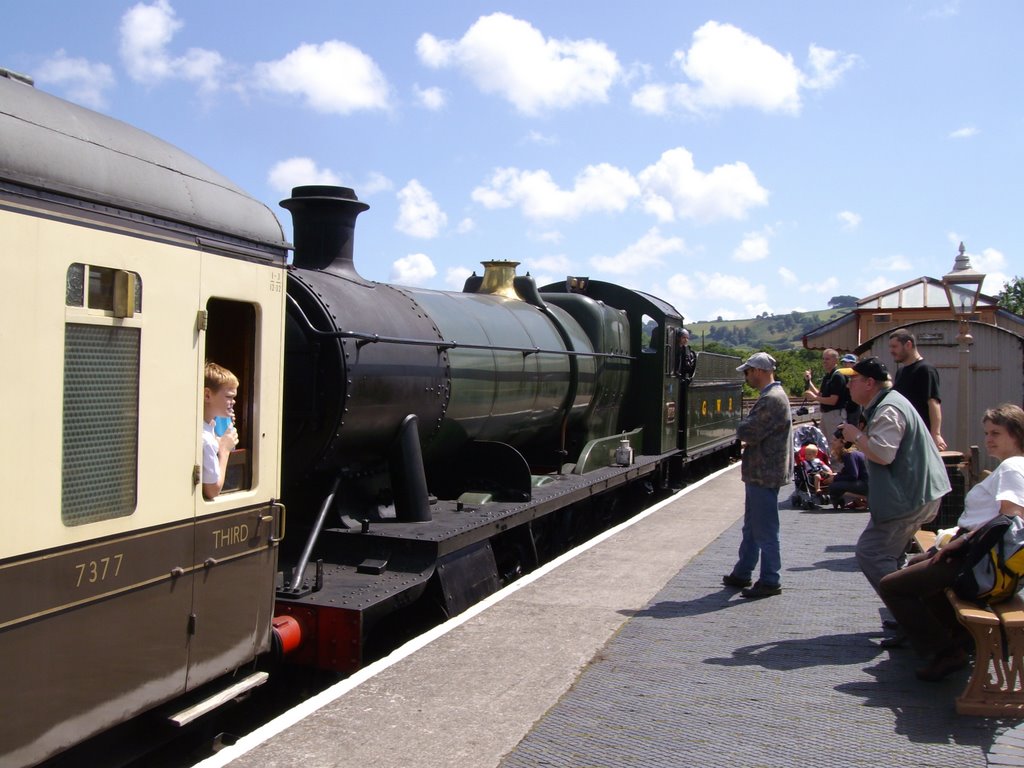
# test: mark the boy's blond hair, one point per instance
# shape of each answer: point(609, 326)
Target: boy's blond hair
point(217, 376)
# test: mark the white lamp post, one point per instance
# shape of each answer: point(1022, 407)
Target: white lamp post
point(963, 286)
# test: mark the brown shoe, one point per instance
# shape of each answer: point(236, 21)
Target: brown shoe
point(942, 665)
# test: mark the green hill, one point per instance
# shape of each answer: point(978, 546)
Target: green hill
point(772, 331)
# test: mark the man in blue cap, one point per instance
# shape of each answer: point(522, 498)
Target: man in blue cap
point(767, 465)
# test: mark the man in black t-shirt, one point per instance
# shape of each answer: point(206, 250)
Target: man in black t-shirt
point(833, 393)
point(918, 381)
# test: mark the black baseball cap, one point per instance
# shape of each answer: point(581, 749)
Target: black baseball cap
point(872, 368)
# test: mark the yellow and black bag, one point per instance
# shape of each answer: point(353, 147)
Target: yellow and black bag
point(993, 566)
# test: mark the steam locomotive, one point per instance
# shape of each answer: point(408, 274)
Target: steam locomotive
point(404, 452)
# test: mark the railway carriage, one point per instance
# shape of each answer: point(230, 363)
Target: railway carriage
point(429, 446)
point(122, 587)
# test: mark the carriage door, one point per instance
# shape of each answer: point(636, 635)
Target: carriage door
point(235, 553)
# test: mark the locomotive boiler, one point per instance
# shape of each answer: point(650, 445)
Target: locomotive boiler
point(451, 440)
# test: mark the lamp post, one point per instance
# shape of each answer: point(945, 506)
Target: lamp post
point(963, 286)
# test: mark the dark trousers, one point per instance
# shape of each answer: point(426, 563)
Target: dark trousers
point(839, 487)
point(916, 596)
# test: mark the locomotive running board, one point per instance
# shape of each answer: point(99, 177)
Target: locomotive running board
point(205, 706)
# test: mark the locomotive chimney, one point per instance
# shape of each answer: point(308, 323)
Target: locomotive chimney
point(323, 224)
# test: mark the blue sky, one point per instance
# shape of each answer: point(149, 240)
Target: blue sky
point(735, 158)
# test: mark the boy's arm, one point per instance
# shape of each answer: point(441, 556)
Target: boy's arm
point(227, 443)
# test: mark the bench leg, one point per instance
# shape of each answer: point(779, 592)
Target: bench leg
point(996, 687)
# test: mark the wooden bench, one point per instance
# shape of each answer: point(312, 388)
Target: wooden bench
point(996, 687)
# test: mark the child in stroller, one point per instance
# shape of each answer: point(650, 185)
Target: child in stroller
point(807, 475)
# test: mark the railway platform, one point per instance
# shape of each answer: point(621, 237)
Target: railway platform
point(631, 653)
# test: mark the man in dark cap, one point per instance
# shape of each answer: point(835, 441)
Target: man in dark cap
point(906, 476)
point(767, 434)
point(686, 361)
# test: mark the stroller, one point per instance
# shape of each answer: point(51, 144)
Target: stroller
point(804, 496)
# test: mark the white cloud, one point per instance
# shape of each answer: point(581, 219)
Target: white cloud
point(849, 219)
point(753, 310)
point(944, 11)
point(83, 80)
point(413, 269)
point(734, 287)
point(992, 262)
point(875, 285)
point(430, 98)
point(727, 67)
point(548, 236)
point(988, 260)
point(598, 188)
point(375, 182)
point(966, 132)
point(146, 32)
point(333, 77)
point(648, 251)
point(674, 188)
point(894, 263)
point(508, 56)
point(536, 137)
point(542, 279)
point(465, 226)
point(826, 287)
point(680, 286)
point(669, 189)
point(788, 276)
point(455, 277)
point(652, 98)
point(419, 214)
point(298, 172)
point(559, 263)
point(754, 247)
point(826, 68)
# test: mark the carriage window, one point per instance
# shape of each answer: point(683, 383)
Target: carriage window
point(231, 344)
point(101, 409)
point(113, 290)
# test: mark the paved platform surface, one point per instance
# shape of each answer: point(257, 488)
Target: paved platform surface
point(633, 654)
point(703, 677)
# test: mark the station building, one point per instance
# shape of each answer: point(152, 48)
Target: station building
point(977, 346)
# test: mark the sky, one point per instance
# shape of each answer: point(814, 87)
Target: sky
point(734, 158)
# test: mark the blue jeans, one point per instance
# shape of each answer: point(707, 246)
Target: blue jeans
point(760, 536)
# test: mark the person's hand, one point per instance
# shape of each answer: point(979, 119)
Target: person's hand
point(920, 557)
point(940, 443)
point(229, 440)
point(807, 376)
point(850, 432)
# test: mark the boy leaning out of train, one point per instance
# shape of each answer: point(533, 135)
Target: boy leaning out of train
point(219, 434)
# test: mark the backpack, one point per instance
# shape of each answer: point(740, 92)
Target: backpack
point(994, 563)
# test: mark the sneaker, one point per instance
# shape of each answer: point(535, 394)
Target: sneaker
point(760, 590)
point(899, 640)
point(735, 581)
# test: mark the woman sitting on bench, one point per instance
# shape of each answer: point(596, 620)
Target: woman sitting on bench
point(916, 593)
